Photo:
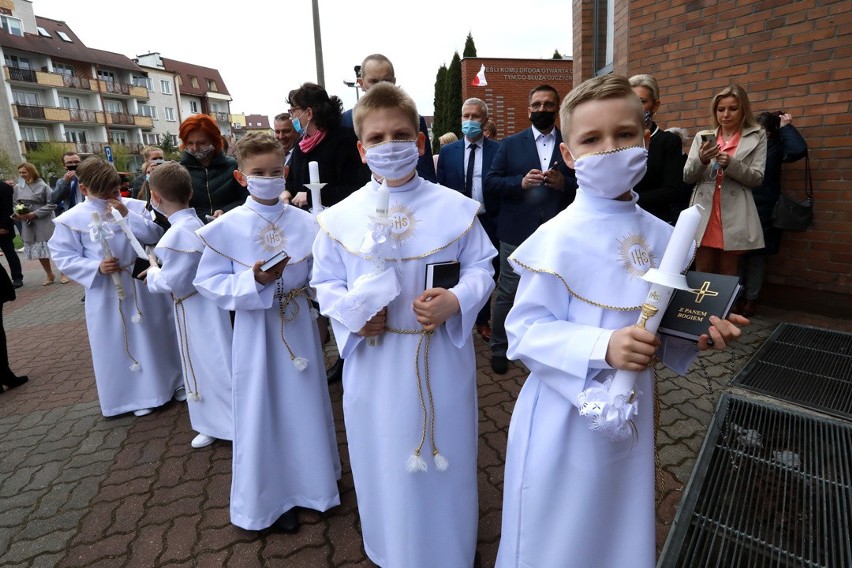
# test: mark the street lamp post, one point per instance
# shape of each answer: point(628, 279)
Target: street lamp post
point(318, 44)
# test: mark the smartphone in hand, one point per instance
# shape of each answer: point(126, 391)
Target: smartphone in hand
point(709, 138)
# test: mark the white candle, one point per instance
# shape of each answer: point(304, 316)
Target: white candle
point(313, 170)
point(681, 241)
point(382, 200)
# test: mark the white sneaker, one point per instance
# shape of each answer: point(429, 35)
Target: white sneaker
point(142, 412)
point(202, 441)
point(180, 394)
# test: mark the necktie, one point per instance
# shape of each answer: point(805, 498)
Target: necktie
point(72, 194)
point(468, 180)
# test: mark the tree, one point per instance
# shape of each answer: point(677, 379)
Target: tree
point(438, 120)
point(8, 166)
point(47, 158)
point(469, 47)
point(120, 157)
point(556, 54)
point(168, 144)
point(453, 98)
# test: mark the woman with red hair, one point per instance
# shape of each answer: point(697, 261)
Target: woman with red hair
point(214, 189)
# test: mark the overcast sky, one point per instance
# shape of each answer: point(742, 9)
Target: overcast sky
point(264, 48)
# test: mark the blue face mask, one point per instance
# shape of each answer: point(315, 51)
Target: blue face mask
point(297, 124)
point(471, 128)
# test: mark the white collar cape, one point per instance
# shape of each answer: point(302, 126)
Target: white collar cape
point(599, 248)
point(186, 240)
point(427, 218)
point(79, 217)
point(234, 235)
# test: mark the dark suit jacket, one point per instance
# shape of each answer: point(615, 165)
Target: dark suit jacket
point(663, 182)
point(425, 165)
point(7, 193)
point(451, 173)
point(522, 211)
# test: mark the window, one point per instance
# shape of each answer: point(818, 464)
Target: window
point(70, 102)
point(194, 80)
point(150, 139)
point(211, 85)
point(12, 25)
point(166, 86)
point(25, 98)
point(148, 110)
point(107, 76)
point(193, 107)
point(63, 69)
point(214, 108)
point(78, 136)
point(170, 114)
point(118, 137)
point(140, 81)
point(33, 133)
point(63, 36)
point(42, 32)
point(17, 62)
point(113, 106)
point(604, 36)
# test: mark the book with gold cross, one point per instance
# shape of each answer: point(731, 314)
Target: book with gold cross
point(688, 313)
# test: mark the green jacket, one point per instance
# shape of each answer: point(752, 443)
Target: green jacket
point(213, 187)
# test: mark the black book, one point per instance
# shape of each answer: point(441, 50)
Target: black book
point(688, 314)
point(443, 274)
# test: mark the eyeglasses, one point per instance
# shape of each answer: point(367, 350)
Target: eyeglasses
point(544, 106)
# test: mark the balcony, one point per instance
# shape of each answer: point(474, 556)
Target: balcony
point(80, 147)
point(223, 117)
point(79, 116)
point(60, 80)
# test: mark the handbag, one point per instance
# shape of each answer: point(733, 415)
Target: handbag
point(792, 215)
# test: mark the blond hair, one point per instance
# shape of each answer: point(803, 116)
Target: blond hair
point(597, 89)
point(99, 177)
point(384, 96)
point(745, 106)
point(447, 138)
point(148, 150)
point(644, 80)
point(172, 182)
point(255, 144)
point(31, 169)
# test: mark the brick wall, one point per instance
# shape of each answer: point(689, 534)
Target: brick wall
point(792, 56)
point(509, 84)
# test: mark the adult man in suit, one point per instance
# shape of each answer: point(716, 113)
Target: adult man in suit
point(66, 194)
point(462, 166)
point(285, 134)
point(532, 184)
point(377, 68)
point(7, 235)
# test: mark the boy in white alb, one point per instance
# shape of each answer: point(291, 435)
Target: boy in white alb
point(409, 401)
point(203, 329)
point(131, 332)
point(285, 448)
point(572, 496)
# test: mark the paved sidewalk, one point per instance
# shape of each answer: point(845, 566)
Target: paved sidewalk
point(80, 490)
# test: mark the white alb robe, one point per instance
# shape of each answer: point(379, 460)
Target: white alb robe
point(116, 341)
point(429, 518)
point(285, 448)
point(203, 329)
point(572, 497)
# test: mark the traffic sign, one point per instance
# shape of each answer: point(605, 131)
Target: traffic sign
point(108, 153)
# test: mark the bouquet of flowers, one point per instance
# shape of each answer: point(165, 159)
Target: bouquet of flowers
point(21, 208)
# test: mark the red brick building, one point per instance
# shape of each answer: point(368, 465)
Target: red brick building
point(509, 83)
point(792, 56)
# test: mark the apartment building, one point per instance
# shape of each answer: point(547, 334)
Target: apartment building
point(163, 105)
point(55, 89)
point(200, 90)
point(250, 123)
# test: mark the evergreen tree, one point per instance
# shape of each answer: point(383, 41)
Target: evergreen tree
point(438, 120)
point(556, 54)
point(469, 47)
point(453, 98)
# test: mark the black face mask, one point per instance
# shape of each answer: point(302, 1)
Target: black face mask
point(72, 167)
point(543, 119)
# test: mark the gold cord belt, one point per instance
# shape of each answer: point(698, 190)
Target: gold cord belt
point(137, 318)
point(183, 342)
point(285, 299)
point(416, 462)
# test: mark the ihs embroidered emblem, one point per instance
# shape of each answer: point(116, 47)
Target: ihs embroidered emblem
point(271, 238)
point(404, 222)
point(635, 255)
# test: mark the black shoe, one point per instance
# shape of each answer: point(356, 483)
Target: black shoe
point(17, 282)
point(499, 364)
point(13, 381)
point(335, 372)
point(288, 522)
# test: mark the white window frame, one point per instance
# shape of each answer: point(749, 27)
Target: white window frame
point(193, 107)
point(76, 135)
point(603, 47)
point(18, 62)
point(118, 137)
point(16, 30)
point(63, 69)
point(166, 86)
point(170, 114)
point(150, 138)
point(148, 110)
point(63, 36)
point(25, 98)
point(34, 133)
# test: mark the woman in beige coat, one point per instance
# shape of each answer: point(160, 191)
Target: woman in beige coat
point(726, 163)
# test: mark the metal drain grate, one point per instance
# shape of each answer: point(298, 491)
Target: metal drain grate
point(771, 488)
point(804, 365)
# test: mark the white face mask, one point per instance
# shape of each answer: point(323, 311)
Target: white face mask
point(266, 187)
point(611, 174)
point(393, 160)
